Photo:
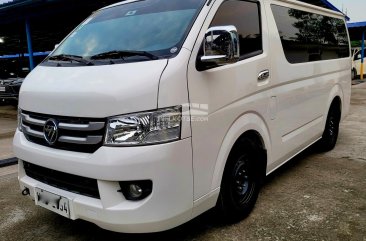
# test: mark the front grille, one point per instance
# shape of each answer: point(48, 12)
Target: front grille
point(74, 134)
point(72, 183)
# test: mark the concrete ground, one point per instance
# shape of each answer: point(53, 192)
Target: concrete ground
point(313, 197)
point(8, 124)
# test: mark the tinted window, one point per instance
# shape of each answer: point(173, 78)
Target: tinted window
point(308, 37)
point(245, 16)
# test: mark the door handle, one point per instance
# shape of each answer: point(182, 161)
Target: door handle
point(263, 75)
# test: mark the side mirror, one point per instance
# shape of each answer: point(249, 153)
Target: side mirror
point(221, 46)
point(56, 46)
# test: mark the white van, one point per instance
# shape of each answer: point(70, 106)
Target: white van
point(153, 112)
point(356, 64)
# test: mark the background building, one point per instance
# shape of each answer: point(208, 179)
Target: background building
point(356, 30)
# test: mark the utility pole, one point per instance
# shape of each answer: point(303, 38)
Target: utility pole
point(362, 54)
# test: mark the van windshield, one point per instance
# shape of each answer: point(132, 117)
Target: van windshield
point(141, 30)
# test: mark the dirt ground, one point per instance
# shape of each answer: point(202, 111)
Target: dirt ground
point(313, 197)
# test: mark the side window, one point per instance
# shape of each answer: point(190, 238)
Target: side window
point(308, 37)
point(245, 16)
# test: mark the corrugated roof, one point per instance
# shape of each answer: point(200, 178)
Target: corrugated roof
point(357, 25)
point(2, 2)
point(12, 3)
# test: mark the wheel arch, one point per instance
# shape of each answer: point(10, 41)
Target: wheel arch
point(249, 125)
point(337, 103)
point(335, 96)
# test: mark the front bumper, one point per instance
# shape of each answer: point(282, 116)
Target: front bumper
point(5, 96)
point(10, 93)
point(169, 166)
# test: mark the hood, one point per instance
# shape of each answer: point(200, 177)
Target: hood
point(93, 91)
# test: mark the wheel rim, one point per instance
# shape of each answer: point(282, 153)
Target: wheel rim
point(242, 182)
point(333, 127)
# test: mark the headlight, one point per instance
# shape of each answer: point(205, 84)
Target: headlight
point(19, 119)
point(144, 128)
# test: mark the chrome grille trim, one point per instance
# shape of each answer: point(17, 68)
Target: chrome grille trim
point(30, 120)
point(29, 131)
point(92, 126)
point(75, 133)
point(89, 140)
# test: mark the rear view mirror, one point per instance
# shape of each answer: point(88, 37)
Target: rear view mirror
point(221, 46)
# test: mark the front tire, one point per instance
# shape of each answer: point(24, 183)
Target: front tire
point(241, 182)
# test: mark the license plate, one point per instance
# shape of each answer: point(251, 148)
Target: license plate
point(2, 89)
point(53, 202)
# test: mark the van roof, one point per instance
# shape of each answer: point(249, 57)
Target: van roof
point(314, 7)
point(119, 3)
point(294, 2)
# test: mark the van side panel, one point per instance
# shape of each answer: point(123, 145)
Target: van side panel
point(228, 92)
point(303, 93)
point(292, 104)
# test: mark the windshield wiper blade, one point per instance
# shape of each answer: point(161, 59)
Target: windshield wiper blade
point(75, 58)
point(120, 54)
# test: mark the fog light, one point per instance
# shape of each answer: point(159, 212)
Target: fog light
point(136, 190)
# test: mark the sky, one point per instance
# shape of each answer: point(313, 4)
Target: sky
point(356, 9)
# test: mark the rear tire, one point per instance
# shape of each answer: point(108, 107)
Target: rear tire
point(241, 182)
point(331, 131)
point(354, 74)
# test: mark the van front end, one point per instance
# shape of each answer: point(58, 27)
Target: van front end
point(81, 158)
point(101, 137)
point(97, 151)
point(97, 186)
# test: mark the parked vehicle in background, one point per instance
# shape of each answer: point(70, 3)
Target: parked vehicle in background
point(356, 64)
point(10, 81)
point(9, 90)
point(153, 112)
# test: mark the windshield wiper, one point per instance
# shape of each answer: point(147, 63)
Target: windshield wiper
point(76, 58)
point(120, 54)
